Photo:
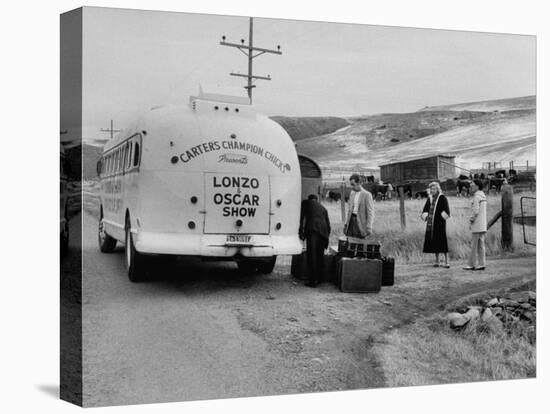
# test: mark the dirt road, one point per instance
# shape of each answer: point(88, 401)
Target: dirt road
point(201, 330)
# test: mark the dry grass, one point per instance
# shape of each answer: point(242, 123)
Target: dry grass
point(406, 246)
point(429, 352)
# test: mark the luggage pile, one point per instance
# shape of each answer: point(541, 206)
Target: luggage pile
point(361, 268)
point(355, 266)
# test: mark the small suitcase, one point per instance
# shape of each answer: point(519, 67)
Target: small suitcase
point(329, 269)
point(360, 275)
point(373, 251)
point(298, 267)
point(388, 271)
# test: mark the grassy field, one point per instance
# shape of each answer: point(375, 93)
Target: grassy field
point(429, 352)
point(406, 246)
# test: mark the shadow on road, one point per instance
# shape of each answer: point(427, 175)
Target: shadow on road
point(195, 276)
point(49, 389)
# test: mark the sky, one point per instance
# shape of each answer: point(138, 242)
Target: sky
point(134, 60)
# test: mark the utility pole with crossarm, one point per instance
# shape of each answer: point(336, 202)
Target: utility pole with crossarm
point(110, 130)
point(250, 51)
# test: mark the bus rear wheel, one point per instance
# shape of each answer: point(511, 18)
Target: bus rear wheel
point(135, 265)
point(107, 243)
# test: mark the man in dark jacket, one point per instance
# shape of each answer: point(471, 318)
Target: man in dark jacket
point(315, 229)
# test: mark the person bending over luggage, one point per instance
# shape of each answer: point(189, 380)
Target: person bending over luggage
point(315, 229)
point(435, 214)
point(360, 211)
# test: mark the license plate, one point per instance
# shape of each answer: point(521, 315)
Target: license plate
point(239, 239)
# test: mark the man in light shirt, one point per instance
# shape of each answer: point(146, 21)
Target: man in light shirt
point(360, 211)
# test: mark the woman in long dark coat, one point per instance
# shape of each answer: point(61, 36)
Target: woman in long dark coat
point(435, 213)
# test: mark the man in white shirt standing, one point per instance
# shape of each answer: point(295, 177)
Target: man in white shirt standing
point(478, 226)
point(360, 211)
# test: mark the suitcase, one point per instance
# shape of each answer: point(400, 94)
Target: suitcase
point(298, 266)
point(373, 251)
point(360, 275)
point(388, 271)
point(329, 270)
point(300, 270)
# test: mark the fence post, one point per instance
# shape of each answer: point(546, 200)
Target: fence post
point(402, 208)
point(507, 238)
point(343, 201)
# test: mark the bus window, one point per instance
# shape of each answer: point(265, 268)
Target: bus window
point(125, 158)
point(129, 154)
point(136, 154)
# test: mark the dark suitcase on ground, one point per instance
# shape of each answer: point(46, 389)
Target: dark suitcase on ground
point(298, 266)
point(360, 275)
point(388, 271)
point(300, 270)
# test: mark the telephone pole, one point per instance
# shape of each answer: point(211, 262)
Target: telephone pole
point(111, 130)
point(251, 52)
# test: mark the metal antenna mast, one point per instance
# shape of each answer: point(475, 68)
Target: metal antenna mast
point(249, 52)
point(111, 130)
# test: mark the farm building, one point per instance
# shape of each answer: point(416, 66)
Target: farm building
point(433, 168)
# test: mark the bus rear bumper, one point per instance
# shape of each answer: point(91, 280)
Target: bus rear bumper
point(214, 245)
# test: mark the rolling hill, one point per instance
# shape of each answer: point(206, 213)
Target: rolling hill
point(305, 127)
point(476, 132)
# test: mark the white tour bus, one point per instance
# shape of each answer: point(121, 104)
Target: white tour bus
point(213, 179)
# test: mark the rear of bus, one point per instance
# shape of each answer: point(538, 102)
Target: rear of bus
point(219, 181)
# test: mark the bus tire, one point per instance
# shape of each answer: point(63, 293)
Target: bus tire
point(266, 266)
point(246, 266)
point(134, 260)
point(106, 243)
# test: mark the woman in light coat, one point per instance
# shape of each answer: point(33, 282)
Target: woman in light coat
point(478, 227)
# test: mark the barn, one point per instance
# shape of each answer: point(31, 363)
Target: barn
point(433, 168)
point(415, 174)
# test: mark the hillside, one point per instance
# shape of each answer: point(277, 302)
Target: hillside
point(474, 136)
point(305, 127)
point(505, 130)
point(499, 105)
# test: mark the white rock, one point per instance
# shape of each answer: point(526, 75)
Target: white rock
point(472, 314)
point(487, 314)
point(457, 320)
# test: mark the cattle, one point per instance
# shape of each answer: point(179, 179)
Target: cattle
point(379, 191)
point(496, 182)
point(463, 187)
point(334, 196)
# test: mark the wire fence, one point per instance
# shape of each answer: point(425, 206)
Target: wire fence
point(528, 219)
